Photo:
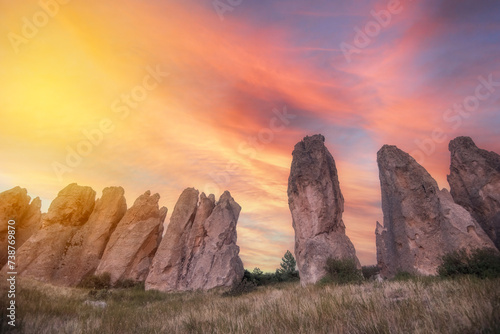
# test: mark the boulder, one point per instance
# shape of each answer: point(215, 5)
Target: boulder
point(199, 250)
point(72, 207)
point(475, 184)
point(317, 205)
point(42, 254)
point(17, 206)
point(421, 222)
point(134, 242)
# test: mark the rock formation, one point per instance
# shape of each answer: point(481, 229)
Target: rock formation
point(316, 204)
point(87, 245)
point(42, 254)
point(15, 205)
point(421, 222)
point(134, 242)
point(199, 250)
point(475, 184)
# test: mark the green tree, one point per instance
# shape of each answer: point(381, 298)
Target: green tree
point(288, 267)
point(257, 272)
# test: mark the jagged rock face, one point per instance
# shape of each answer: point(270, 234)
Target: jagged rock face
point(421, 222)
point(134, 242)
point(475, 184)
point(42, 254)
point(87, 245)
point(15, 205)
point(199, 250)
point(72, 206)
point(316, 204)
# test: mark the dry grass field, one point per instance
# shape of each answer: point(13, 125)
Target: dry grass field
point(432, 305)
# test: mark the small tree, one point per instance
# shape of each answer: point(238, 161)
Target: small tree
point(288, 267)
point(257, 272)
point(258, 276)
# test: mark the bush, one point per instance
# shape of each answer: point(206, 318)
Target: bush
point(96, 282)
point(128, 284)
point(100, 295)
point(369, 272)
point(342, 271)
point(483, 263)
point(249, 276)
point(404, 276)
point(240, 288)
point(286, 273)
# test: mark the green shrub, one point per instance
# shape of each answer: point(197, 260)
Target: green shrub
point(483, 263)
point(249, 276)
point(286, 273)
point(128, 284)
point(404, 276)
point(102, 294)
point(240, 288)
point(342, 271)
point(260, 278)
point(97, 282)
point(369, 272)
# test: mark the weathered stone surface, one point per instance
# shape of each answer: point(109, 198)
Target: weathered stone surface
point(87, 245)
point(421, 222)
point(475, 184)
point(384, 251)
point(41, 255)
point(316, 204)
point(72, 206)
point(15, 205)
point(134, 242)
point(199, 250)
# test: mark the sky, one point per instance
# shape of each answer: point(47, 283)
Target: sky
point(165, 95)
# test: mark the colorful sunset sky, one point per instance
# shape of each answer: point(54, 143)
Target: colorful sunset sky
point(215, 94)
